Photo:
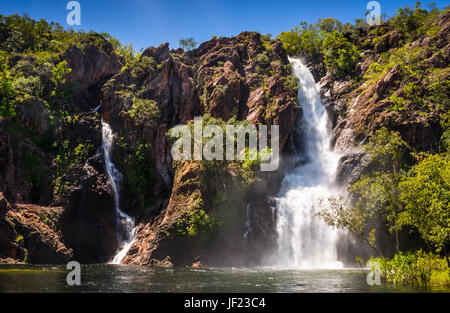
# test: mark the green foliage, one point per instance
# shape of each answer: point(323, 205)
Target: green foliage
point(59, 72)
point(188, 43)
point(415, 269)
point(81, 152)
point(144, 112)
point(305, 40)
point(200, 224)
point(376, 193)
point(290, 41)
point(336, 212)
point(361, 23)
point(263, 59)
point(329, 25)
point(408, 20)
point(220, 91)
point(340, 56)
point(19, 239)
point(33, 172)
point(250, 165)
point(30, 85)
point(26, 34)
point(445, 140)
point(422, 88)
point(291, 83)
point(326, 37)
point(68, 156)
point(138, 68)
point(127, 52)
point(323, 39)
point(387, 148)
point(418, 197)
point(140, 173)
point(267, 42)
point(425, 194)
point(195, 223)
point(7, 95)
point(374, 70)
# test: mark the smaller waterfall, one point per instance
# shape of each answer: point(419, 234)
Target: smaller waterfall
point(247, 224)
point(125, 223)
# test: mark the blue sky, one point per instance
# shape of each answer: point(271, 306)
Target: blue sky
point(152, 22)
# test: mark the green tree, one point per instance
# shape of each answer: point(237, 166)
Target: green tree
point(7, 93)
point(336, 212)
point(375, 193)
point(379, 191)
point(425, 195)
point(408, 20)
point(58, 78)
point(291, 41)
point(145, 114)
point(340, 55)
point(305, 40)
point(361, 23)
point(329, 24)
point(140, 170)
point(188, 43)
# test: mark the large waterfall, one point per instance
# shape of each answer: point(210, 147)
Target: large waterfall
point(305, 241)
point(125, 223)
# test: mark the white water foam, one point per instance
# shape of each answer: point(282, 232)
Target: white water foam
point(304, 240)
point(125, 223)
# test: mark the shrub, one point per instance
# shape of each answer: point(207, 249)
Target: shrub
point(7, 96)
point(263, 59)
point(82, 152)
point(201, 224)
point(306, 40)
point(188, 43)
point(341, 56)
point(291, 41)
point(32, 172)
point(140, 173)
point(291, 83)
point(415, 269)
point(144, 112)
point(408, 20)
point(30, 85)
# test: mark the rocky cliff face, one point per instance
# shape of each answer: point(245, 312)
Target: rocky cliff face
point(29, 233)
point(383, 97)
point(244, 77)
point(51, 156)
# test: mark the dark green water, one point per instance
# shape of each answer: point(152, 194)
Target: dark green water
point(120, 278)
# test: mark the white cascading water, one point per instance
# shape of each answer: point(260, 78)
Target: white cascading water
point(125, 223)
point(247, 224)
point(304, 240)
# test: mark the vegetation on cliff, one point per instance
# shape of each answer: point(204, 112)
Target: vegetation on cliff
point(388, 86)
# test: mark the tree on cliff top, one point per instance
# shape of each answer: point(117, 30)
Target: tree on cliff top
point(188, 43)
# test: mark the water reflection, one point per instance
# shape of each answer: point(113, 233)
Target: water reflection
point(124, 278)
